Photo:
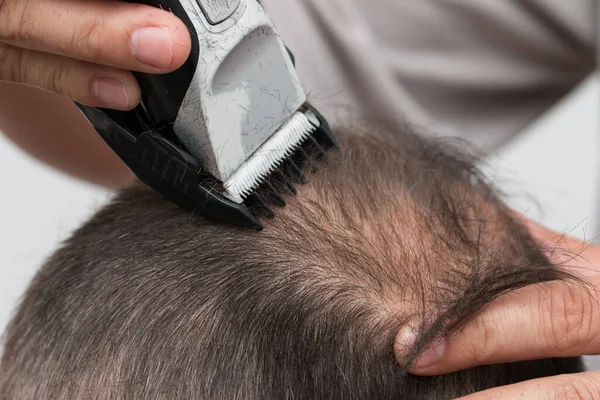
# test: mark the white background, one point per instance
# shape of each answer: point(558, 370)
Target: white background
point(551, 172)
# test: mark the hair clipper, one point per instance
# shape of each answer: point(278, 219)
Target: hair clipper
point(215, 134)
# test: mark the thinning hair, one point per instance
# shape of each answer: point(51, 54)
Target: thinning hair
point(145, 301)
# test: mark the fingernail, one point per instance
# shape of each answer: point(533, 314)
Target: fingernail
point(111, 91)
point(431, 356)
point(153, 47)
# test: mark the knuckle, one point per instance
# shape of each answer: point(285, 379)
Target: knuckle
point(58, 78)
point(571, 318)
point(576, 389)
point(4, 12)
point(485, 349)
point(12, 67)
point(88, 40)
point(6, 16)
point(13, 20)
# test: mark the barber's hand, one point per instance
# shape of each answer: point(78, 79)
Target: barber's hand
point(84, 49)
point(542, 321)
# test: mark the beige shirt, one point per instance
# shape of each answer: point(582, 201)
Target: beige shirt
point(480, 69)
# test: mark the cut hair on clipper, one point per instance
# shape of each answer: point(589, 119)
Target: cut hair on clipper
point(228, 134)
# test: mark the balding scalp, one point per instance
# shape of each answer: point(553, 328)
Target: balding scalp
point(146, 302)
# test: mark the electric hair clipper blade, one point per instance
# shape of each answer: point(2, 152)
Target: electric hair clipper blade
point(215, 135)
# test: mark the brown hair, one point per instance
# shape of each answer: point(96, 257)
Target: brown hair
point(145, 301)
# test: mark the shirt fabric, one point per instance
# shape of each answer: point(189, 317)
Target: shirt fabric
point(481, 70)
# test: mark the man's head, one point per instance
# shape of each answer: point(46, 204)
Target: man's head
point(146, 302)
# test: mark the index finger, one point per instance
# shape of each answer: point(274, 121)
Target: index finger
point(112, 33)
point(556, 319)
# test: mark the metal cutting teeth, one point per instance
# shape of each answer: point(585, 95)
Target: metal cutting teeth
point(271, 155)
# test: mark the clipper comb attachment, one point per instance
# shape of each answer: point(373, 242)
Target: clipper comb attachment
point(163, 164)
point(293, 171)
